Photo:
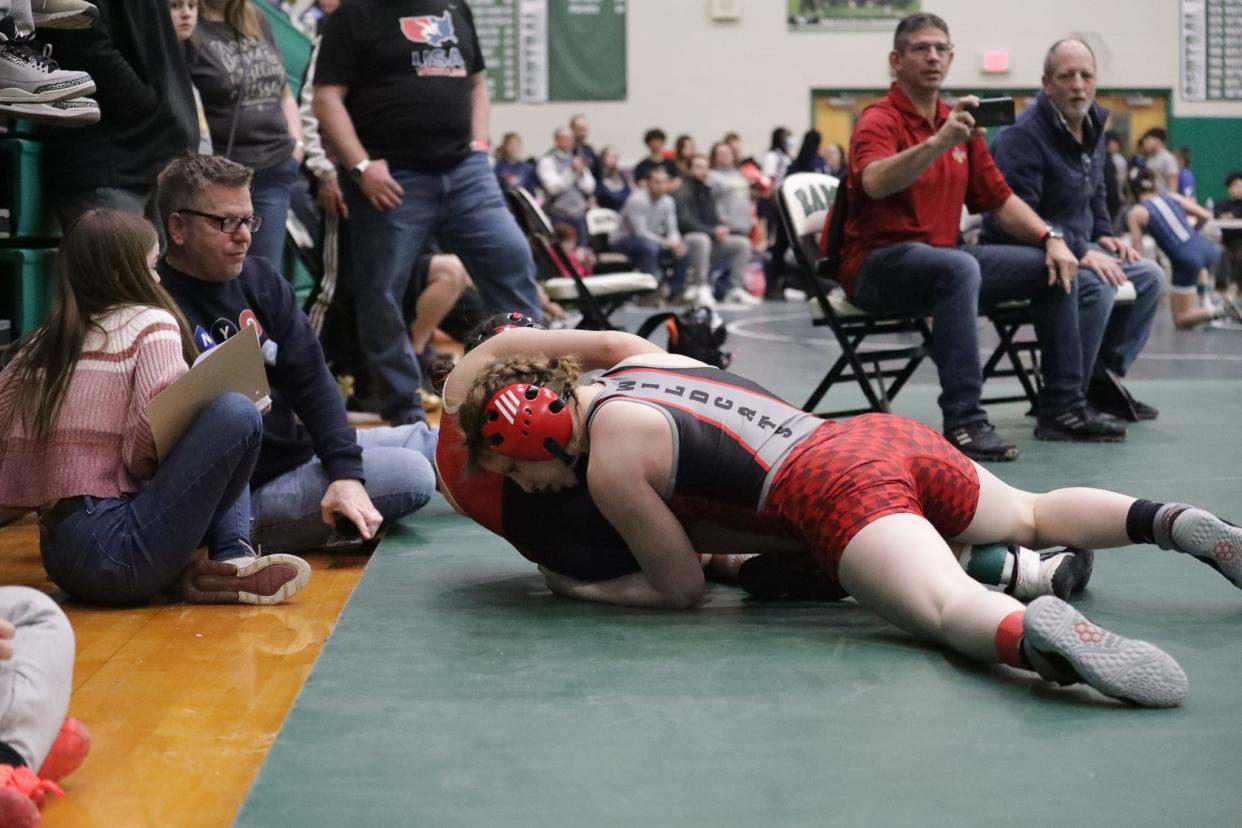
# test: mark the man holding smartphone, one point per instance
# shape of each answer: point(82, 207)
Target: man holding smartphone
point(1054, 160)
point(915, 161)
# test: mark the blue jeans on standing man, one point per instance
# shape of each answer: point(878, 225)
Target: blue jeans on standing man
point(127, 550)
point(951, 284)
point(400, 479)
point(465, 210)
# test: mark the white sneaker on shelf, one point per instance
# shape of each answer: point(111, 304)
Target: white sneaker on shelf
point(63, 14)
point(67, 113)
point(26, 76)
point(738, 296)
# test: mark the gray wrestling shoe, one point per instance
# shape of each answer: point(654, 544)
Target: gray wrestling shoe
point(1065, 647)
point(1198, 532)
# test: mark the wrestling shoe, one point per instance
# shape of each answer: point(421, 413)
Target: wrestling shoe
point(1065, 647)
point(21, 796)
point(980, 442)
point(26, 76)
point(63, 14)
point(68, 752)
point(1059, 572)
point(769, 578)
point(1197, 532)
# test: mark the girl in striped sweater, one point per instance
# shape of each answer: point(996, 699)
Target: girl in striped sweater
point(116, 525)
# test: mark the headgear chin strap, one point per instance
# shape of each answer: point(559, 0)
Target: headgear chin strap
point(528, 422)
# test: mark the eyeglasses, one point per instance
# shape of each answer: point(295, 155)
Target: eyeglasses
point(228, 224)
point(923, 49)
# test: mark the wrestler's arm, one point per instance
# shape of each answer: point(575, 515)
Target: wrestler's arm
point(623, 477)
point(596, 349)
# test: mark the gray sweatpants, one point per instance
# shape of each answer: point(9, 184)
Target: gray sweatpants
point(704, 250)
point(35, 682)
point(19, 10)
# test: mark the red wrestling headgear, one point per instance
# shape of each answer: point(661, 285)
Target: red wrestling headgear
point(528, 422)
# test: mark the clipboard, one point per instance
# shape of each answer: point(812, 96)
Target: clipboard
point(235, 365)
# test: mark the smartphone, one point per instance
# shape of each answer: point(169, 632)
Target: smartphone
point(344, 535)
point(993, 112)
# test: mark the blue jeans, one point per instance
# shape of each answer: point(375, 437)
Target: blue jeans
point(950, 285)
point(645, 254)
point(400, 477)
point(270, 194)
point(466, 212)
point(128, 550)
point(1113, 335)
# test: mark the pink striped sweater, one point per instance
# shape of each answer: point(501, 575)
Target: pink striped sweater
point(101, 443)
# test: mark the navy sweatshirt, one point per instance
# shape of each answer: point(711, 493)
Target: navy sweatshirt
point(302, 387)
point(1061, 179)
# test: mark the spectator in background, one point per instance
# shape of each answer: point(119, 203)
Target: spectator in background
point(581, 130)
point(1157, 158)
point(612, 186)
point(732, 191)
point(147, 105)
point(648, 231)
point(808, 159)
point(511, 169)
point(1185, 178)
point(655, 139)
point(1053, 158)
point(1117, 171)
point(776, 163)
point(409, 122)
point(914, 163)
point(1232, 239)
point(253, 117)
point(582, 259)
point(735, 143)
point(567, 181)
point(185, 21)
point(1165, 216)
point(313, 19)
point(709, 239)
point(683, 149)
point(834, 161)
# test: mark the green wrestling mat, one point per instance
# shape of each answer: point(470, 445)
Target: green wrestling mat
point(456, 691)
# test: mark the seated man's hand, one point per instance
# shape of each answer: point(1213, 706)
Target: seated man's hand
point(1104, 266)
point(678, 248)
point(1062, 265)
point(722, 233)
point(349, 499)
point(1119, 247)
point(7, 631)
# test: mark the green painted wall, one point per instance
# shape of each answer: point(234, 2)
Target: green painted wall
point(1215, 151)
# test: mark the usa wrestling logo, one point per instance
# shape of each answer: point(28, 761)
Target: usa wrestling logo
point(434, 30)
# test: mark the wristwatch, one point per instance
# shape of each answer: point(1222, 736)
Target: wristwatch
point(356, 171)
point(1049, 234)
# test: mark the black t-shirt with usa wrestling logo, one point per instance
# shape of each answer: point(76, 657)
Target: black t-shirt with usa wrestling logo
point(408, 66)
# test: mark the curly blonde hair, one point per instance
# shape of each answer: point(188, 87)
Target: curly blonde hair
point(559, 375)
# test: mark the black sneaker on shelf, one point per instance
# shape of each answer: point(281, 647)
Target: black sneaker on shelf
point(980, 442)
point(1080, 425)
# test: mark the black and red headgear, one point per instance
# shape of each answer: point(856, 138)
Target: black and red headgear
point(528, 422)
point(499, 323)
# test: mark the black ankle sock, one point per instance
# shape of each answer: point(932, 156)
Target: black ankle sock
point(8, 756)
point(1141, 521)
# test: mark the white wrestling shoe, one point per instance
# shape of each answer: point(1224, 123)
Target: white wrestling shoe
point(1065, 647)
point(1059, 572)
point(1198, 532)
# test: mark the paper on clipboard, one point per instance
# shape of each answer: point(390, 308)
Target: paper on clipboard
point(234, 365)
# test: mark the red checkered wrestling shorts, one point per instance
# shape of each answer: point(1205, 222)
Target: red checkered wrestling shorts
point(847, 475)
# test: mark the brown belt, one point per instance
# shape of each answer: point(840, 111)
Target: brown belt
point(63, 509)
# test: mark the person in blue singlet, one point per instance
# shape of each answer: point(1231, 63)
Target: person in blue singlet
point(1166, 218)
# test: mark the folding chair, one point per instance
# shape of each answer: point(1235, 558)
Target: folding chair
point(804, 200)
point(600, 223)
point(596, 297)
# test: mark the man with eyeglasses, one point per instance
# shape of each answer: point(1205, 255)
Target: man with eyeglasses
point(1053, 157)
point(314, 471)
point(914, 162)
